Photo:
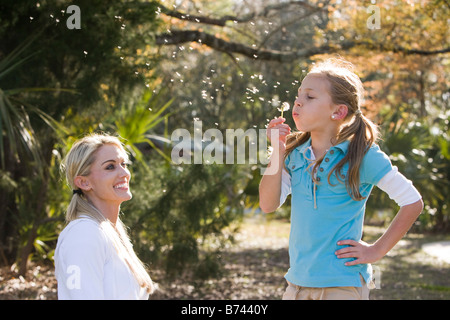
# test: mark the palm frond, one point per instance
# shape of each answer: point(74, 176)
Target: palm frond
point(136, 122)
point(15, 125)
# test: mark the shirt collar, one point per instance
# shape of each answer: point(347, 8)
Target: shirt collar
point(343, 146)
point(302, 148)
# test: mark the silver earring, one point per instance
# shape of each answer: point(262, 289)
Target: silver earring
point(333, 116)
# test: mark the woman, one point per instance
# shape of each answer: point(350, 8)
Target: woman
point(94, 258)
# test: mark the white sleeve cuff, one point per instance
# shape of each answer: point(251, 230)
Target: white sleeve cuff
point(399, 188)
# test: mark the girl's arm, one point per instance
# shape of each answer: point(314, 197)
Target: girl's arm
point(270, 185)
point(403, 192)
point(366, 253)
point(402, 222)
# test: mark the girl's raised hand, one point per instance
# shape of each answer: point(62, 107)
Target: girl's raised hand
point(282, 128)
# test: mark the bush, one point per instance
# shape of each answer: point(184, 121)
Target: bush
point(178, 215)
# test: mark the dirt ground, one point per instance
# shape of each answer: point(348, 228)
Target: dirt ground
point(254, 266)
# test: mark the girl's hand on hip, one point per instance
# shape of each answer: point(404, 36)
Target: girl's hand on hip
point(361, 251)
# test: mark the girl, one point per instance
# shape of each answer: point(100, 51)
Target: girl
point(94, 258)
point(330, 166)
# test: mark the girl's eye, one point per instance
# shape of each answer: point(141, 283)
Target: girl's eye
point(309, 97)
point(110, 167)
point(125, 164)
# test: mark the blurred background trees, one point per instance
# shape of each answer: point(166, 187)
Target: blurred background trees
point(142, 69)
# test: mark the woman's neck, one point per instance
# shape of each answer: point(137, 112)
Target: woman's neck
point(110, 210)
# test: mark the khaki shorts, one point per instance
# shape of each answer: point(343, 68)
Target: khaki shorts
point(294, 292)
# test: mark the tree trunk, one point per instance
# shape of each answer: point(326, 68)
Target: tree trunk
point(40, 212)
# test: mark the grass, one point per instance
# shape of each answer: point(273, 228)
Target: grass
point(407, 272)
point(254, 266)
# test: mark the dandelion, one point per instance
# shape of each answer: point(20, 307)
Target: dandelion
point(284, 107)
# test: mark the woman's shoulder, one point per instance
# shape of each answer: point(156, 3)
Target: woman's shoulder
point(82, 242)
point(82, 230)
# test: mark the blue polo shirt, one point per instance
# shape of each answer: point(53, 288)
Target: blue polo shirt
point(322, 217)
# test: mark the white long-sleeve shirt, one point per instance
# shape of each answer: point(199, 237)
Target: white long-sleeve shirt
point(88, 267)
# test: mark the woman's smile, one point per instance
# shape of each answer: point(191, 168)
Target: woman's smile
point(121, 186)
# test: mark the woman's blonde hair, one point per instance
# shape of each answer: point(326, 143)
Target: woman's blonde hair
point(345, 88)
point(78, 162)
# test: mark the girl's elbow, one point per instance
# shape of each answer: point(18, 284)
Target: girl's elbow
point(267, 208)
point(267, 201)
point(416, 207)
point(264, 208)
point(420, 205)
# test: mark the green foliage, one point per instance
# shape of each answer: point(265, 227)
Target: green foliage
point(137, 119)
point(178, 214)
point(15, 126)
point(61, 84)
point(418, 150)
point(62, 71)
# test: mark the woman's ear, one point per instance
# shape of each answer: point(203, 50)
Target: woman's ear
point(82, 183)
point(340, 112)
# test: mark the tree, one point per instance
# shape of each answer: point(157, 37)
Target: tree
point(81, 60)
point(239, 66)
point(296, 11)
point(231, 70)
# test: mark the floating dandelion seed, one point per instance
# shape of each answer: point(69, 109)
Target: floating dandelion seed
point(284, 107)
